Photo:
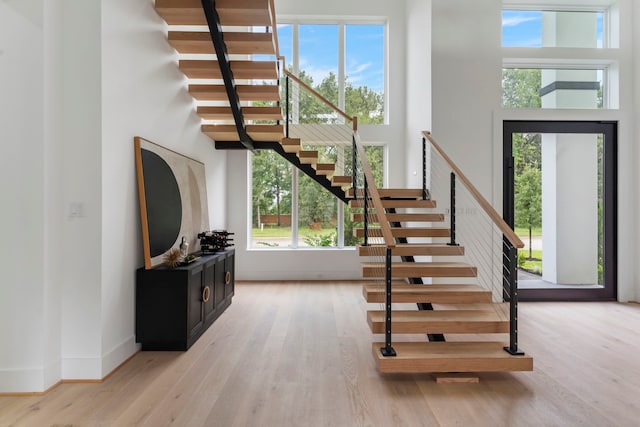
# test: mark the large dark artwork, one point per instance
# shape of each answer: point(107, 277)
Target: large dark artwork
point(173, 199)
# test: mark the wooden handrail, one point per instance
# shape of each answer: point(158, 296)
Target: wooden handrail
point(486, 206)
point(274, 26)
point(389, 240)
point(317, 95)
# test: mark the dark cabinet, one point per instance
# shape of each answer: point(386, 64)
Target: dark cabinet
point(174, 306)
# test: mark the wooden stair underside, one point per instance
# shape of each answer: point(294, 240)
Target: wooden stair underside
point(439, 322)
point(413, 249)
point(249, 113)
point(436, 294)
point(405, 232)
point(450, 357)
point(419, 269)
point(238, 43)
point(401, 217)
point(265, 133)
point(396, 203)
point(242, 70)
point(397, 193)
point(243, 13)
point(245, 92)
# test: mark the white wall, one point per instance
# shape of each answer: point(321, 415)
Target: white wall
point(81, 145)
point(636, 140)
point(143, 94)
point(22, 185)
point(466, 66)
point(418, 86)
point(79, 80)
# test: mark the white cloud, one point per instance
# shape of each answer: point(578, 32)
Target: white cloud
point(514, 21)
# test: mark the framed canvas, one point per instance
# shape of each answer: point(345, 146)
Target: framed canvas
point(173, 199)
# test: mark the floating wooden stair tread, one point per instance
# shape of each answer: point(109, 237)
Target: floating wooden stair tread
point(436, 294)
point(420, 269)
point(398, 193)
point(401, 217)
point(243, 70)
point(450, 357)
point(413, 249)
point(388, 203)
point(249, 113)
point(243, 13)
point(291, 145)
point(264, 133)
point(439, 322)
point(245, 92)
point(309, 157)
point(341, 181)
point(406, 232)
point(326, 169)
point(238, 43)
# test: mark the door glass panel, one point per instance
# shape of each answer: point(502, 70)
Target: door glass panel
point(559, 209)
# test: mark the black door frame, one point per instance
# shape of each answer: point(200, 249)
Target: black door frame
point(609, 130)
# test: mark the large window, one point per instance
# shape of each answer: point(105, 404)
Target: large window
point(345, 63)
point(570, 70)
point(538, 28)
point(290, 210)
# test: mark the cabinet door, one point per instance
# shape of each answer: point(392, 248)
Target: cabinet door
point(219, 275)
point(208, 291)
point(229, 274)
point(195, 306)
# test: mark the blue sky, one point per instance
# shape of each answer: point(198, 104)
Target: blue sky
point(318, 46)
point(523, 28)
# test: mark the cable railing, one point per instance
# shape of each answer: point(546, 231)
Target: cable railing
point(489, 243)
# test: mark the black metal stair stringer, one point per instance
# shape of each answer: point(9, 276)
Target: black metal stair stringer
point(415, 280)
point(291, 158)
point(215, 30)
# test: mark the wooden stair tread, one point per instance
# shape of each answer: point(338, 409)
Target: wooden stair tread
point(263, 133)
point(413, 249)
point(439, 322)
point(341, 181)
point(450, 357)
point(437, 294)
point(245, 92)
point(238, 43)
point(243, 70)
point(401, 217)
point(396, 204)
point(249, 113)
point(326, 169)
point(231, 12)
point(291, 145)
point(405, 232)
point(400, 193)
point(420, 269)
point(309, 157)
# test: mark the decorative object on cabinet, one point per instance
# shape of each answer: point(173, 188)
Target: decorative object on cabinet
point(174, 307)
point(173, 257)
point(215, 241)
point(173, 199)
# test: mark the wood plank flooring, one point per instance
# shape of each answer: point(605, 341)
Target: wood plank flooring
point(299, 354)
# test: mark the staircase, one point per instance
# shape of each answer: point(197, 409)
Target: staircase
point(240, 104)
point(458, 308)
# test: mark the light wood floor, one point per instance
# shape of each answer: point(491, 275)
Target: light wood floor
point(298, 354)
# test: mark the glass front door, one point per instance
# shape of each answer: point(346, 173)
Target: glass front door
point(560, 199)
